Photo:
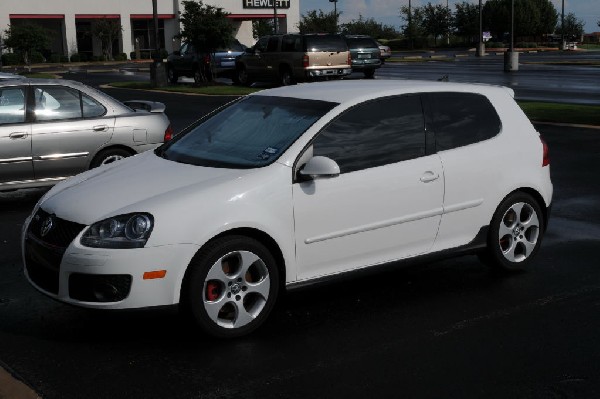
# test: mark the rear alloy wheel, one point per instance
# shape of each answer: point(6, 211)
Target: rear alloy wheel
point(369, 73)
point(232, 286)
point(515, 232)
point(199, 77)
point(286, 78)
point(242, 76)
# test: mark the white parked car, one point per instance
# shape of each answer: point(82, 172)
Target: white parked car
point(294, 185)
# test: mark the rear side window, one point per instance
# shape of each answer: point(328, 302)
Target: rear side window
point(460, 119)
point(273, 43)
point(12, 105)
point(291, 43)
point(315, 43)
point(375, 133)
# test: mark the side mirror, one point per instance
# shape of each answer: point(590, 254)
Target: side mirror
point(319, 168)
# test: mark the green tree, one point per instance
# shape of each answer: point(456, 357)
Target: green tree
point(318, 22)
point(437, 20)
point(532, 17)
point(262, 27)
point(205, 27)
point(26, 38)
point(413, 28)
point(573, 27)
point(369, 27)
point(107, 31)
point(466, 21)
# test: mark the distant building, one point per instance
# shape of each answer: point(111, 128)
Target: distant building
point(71, 21)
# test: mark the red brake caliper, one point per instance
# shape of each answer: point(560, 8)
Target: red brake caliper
point(212, 291)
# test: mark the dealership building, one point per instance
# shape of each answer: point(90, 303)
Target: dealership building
point(71, 21)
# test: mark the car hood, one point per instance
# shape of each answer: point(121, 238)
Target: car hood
point(134, 184)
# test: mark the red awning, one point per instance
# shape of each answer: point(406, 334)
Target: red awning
point(36, 16)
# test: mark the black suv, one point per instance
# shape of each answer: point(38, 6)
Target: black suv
point(203, 66)
point(289, 58)
point(365, 53)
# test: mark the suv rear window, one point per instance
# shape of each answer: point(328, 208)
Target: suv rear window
point(361, 42)
point(325, 43)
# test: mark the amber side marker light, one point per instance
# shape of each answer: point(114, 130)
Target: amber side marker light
point(155, 274)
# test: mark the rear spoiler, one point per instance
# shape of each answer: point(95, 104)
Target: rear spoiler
point(150, 106)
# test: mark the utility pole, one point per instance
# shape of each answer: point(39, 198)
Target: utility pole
point(410, 30)
point(562, 27)
point(511, 57)
point(275, 30)
point(335, 16)
point(157, 69)
point(481, 45)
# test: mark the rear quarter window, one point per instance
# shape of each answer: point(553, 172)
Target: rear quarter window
point(361, 42)
point(459, 119)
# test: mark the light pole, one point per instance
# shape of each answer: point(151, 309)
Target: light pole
point(335, 14)
point(481, 45)
point(158, 75)
point(275, 17)
point(511, 57)
point(562, 27)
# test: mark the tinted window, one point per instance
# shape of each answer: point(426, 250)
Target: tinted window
point(325, 43)
point(253, 132)
point(460, 119)
point(261, 45)
point(375, 133)
point(56, 102)
point(12, 105)
point(291, 43)
point(361, 42)
point(273, 44)
point(91, 107)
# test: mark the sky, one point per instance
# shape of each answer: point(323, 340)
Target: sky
point(387, 11)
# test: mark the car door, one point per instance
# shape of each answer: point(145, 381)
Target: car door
point(15, 136)
point(68, 130)
point(255, 61)
point(387, 201)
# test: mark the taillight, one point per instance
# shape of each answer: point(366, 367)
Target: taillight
point(305, 61)
point(349, 60)
point(545, 155)
point(168, 134)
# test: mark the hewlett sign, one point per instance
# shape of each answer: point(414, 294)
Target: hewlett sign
point(266, 3)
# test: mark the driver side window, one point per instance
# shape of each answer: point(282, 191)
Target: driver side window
point(374, 133)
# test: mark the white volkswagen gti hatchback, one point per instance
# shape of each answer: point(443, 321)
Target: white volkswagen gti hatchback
point(291, 186)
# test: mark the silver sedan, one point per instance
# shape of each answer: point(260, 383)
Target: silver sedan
point(53, 129)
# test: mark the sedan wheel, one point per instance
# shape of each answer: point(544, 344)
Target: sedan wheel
point(242, 76)
point(232, 286)
point(109, 156)
point(516, 232)
point(172, 75)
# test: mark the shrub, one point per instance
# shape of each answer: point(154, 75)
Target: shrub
point(494, 45)
point(75, 57)
point(55, 58)
point(526, 45)
point(120, 57)
point(36, 57)
point(11, 59)
point(64, 58)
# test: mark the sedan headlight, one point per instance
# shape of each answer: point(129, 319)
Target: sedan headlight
point(123, 231)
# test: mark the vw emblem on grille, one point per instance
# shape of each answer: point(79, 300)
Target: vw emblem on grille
point(47, 225)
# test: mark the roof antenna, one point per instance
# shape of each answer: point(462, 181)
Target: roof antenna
point(444, 78)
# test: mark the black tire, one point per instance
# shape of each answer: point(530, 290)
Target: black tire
point(218, 293)
point(242, 76)
point(369, 73)
point(199, 76)
point(172, 75)
point(515, 234)
point(109, 156)
point(285, 77)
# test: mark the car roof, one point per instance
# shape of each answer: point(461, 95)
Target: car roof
point(351, 91)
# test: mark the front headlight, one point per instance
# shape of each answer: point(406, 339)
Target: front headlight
point(123, 231)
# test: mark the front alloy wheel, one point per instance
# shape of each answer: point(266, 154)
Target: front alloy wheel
point(233, 286)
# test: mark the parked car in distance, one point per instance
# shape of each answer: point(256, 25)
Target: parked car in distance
point(386, 52)
point(203, 66)
point(290, 58)
point(365, 54)
point(52, 129)
point(291, 186)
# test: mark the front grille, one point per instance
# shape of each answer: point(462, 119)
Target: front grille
point(45, 245)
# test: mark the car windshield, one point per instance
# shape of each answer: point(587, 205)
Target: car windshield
point(325, 43)
point(251, 133)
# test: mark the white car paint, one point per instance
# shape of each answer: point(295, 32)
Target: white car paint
point(322, 227)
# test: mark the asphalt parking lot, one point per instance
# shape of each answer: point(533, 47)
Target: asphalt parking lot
point(445, 329)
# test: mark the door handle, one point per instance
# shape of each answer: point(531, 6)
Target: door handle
point(429, 177)
point(100, 128)
point(18, 135)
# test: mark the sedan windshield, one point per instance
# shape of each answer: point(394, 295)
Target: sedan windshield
point(251, 133)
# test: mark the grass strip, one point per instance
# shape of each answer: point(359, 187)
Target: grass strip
point(210, 90)
point(38, 75)
point(562, 113)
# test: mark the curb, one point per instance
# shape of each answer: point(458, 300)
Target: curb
point(13, 388)
point(566, 125)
